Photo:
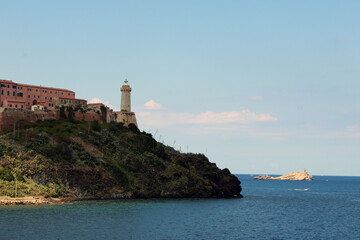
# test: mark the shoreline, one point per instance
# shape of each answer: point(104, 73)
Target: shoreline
point(40, 200)
point(31, 200)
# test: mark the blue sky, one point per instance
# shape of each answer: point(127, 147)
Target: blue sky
point(258, 86)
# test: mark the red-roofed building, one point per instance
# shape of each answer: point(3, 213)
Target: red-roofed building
point(23, 96)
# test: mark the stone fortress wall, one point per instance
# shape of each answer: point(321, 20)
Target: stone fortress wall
point(9, 117)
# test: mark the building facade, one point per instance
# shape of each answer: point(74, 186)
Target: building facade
point(69, 102)
point(22, 96)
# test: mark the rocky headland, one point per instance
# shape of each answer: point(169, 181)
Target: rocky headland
point(73, 160)
point(296, 176)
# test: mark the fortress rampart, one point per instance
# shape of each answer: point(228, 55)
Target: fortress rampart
point(9, 117)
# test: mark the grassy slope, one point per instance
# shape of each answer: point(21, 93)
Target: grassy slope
point(88, 160)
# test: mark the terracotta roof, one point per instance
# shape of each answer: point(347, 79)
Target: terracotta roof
point(95, 104)
point(72, 98)
point(58, 89)
point(7, 81)
point(28, 85)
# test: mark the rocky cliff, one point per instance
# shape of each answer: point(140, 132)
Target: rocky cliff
point(81, 160)
point(299, 176)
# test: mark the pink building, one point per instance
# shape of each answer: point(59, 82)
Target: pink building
point(23, 96)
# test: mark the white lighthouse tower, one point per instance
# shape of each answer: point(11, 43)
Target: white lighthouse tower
point(125, 97)
point(125, 115)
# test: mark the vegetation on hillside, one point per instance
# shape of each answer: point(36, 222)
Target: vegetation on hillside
point(68, 158)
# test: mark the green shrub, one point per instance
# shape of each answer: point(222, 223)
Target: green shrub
point(116, 127)
point(95, 126)
point(64, 151)
point(134, 128)
point(5, 174)
point(56, 189)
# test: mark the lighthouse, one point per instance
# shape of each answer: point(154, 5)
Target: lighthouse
point(125, 115)
point(125, 97)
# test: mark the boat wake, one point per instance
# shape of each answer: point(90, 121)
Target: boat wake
point(296, 189)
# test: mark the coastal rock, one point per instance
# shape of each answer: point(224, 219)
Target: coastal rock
point(296, 176)
point(5, 200)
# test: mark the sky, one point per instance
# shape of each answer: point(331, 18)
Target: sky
point(259, 87)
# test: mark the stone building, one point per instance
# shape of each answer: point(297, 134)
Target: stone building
point(69, 102)
point(107, 114)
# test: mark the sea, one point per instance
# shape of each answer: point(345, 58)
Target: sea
point(326, 208)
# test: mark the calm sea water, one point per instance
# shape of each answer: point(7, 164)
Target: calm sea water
point(330, 209)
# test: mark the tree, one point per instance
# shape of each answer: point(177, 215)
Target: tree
point(103, 113)
point(62, 113)
point(71, 113)
point(16, 170)
point(95, 126)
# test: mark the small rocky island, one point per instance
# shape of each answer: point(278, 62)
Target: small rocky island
point(296, 176)
point(77, 160)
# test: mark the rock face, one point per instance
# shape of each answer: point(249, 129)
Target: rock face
point(297, 176)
